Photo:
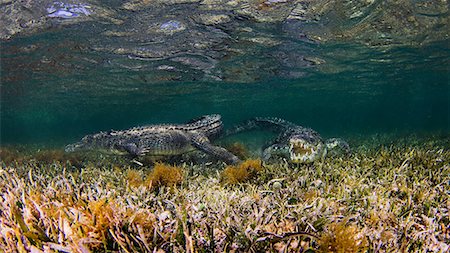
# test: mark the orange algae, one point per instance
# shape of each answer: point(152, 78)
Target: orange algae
point(164, 175)
point(104, 221)
point(243, 172)
point(134, 178)
point(340, 237)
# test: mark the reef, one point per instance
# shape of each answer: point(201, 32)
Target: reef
point(383, 199)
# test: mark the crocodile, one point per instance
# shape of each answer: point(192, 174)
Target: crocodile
point(296, 143)
point(161, 139)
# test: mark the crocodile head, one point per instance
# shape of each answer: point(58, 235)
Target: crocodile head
point(102, 140)
point(305, 148)
point(210, 125)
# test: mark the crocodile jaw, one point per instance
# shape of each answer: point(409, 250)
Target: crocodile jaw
point(301, 151)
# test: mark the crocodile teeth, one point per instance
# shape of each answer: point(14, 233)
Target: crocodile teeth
point(300, 151)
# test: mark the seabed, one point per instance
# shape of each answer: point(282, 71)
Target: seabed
point(386, 199)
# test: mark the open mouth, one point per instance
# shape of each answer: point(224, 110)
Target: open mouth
point(301, 151)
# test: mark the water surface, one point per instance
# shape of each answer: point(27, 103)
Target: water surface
point(60, 84)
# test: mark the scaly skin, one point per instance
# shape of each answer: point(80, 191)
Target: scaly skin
point(161, 140)
point(296, 143)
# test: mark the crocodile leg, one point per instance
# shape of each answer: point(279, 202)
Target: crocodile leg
point(201, 142)
point(133, 149)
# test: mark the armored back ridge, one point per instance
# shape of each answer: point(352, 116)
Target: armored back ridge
point(210, 125)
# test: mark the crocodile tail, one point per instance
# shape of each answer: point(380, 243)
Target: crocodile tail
point(242, 127)
point(274, 122)
point(265, 123)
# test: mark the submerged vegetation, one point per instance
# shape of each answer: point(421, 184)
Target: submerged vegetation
point(164, 175)
point(384, 199)
point(242, 172)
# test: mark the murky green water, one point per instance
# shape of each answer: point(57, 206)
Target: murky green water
point(56, 87)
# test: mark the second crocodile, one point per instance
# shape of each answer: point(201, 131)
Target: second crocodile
point(161, 140)
point(296, 143)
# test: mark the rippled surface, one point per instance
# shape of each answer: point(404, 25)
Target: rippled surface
point(144, 66)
